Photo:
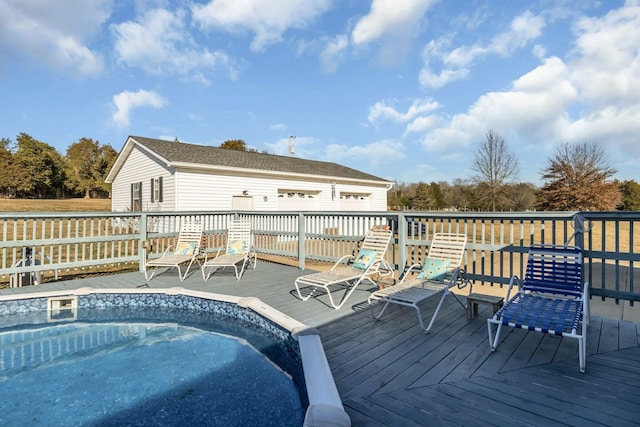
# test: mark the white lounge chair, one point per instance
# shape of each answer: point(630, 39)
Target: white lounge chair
point(551, 299)
point(186, 250)
point(367, 264)
point(439, 273)
point(238, 252)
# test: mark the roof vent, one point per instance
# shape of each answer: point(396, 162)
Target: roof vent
point(292, 148)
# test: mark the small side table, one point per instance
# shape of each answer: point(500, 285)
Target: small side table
point(474, 299)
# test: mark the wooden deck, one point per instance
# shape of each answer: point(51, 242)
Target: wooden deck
point(390, 373)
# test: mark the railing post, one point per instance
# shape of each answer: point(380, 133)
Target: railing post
point(301, 240)
point(402, 244)
point(578, 230)
point(142, 250)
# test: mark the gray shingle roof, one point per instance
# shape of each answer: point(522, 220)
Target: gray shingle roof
point(174, 151)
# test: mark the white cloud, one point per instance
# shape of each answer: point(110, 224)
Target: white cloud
point(382, 111)
point(455, 63)
point(266, 19)
point(390, 18)
point(45, 32)
point(422, 124)
point(159, 42)
point(593, 96)
point(534, 109)
point(278, 126)
point(332, 52)
point(126, 101)
point(607, 67)
point(373, 154)
point(606, 71)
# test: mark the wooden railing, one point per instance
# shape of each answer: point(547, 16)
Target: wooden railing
point(44, 246)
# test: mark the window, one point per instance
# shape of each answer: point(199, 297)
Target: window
point(136, 196)
point(353, 196)
point(156, 190)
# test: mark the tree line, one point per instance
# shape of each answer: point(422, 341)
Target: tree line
point(576, 178)
point(34, 169)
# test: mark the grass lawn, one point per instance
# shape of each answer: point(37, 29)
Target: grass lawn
point(55, 205)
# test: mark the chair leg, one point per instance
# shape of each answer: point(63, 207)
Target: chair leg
point(583, 353)
point(349, 292)
point(493, 341)
point(435, 313)
point(379, 315)
point(421, 321)
point(300, 294)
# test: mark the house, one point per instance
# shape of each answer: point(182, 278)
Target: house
point(158, 175)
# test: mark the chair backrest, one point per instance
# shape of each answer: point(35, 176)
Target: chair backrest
point(189, 239)
point(554, 269)
point(377, 239)
point(239, 237)
point(448, 247)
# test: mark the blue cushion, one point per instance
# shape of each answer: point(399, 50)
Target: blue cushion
point(185, 248)
point(364, 259)
point(434, 269)
point(235, 247)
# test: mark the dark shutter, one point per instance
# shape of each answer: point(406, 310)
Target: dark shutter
point(132, 184)
point(160, 189)
point(152, 199)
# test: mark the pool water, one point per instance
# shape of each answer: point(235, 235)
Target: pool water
point(140, 373)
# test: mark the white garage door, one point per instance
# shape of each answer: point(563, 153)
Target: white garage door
point(297, 200)
point(354, 202)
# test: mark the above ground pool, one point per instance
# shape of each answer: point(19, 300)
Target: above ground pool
point(108, 362)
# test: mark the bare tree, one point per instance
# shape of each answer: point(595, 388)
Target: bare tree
point(577, 178)
point(495, 167)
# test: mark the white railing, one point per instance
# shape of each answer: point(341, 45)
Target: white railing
point(42, 246)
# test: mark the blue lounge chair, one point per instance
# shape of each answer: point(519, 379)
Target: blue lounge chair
point(551, 299)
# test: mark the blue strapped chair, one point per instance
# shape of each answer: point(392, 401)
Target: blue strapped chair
point(552, 298)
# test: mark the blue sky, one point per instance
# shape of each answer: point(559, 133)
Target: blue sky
point(402, 89)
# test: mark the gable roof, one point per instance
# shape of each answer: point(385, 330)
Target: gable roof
point(179, 154)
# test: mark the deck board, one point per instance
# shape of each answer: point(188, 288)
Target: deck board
point(390, 373)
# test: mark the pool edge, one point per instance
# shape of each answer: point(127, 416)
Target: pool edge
point(325, 406)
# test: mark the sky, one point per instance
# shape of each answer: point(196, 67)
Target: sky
point(405, 90)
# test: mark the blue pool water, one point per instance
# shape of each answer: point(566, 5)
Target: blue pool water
point(139, 373)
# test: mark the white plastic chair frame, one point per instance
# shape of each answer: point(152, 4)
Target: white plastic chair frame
point(377, 239)
point(411, 290)
point(239, 230)
point(190, 234)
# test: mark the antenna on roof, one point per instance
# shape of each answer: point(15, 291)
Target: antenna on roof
point(292, 148)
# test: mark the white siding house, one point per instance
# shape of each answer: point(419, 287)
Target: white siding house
point(157, 175)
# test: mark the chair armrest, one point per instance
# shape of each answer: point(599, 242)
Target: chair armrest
point(409, 270)
point(342, 260)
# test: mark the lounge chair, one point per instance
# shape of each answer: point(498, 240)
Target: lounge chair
point(238, 252)
point(551, 299)
point(186, 250)
point(369, 263)
point(439, 273)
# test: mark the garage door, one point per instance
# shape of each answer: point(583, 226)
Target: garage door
point(354, 202)
point(297, 200)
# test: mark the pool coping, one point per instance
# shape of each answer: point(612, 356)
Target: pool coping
point(325, 406)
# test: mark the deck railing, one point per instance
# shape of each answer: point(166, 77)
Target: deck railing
point(42, 246)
